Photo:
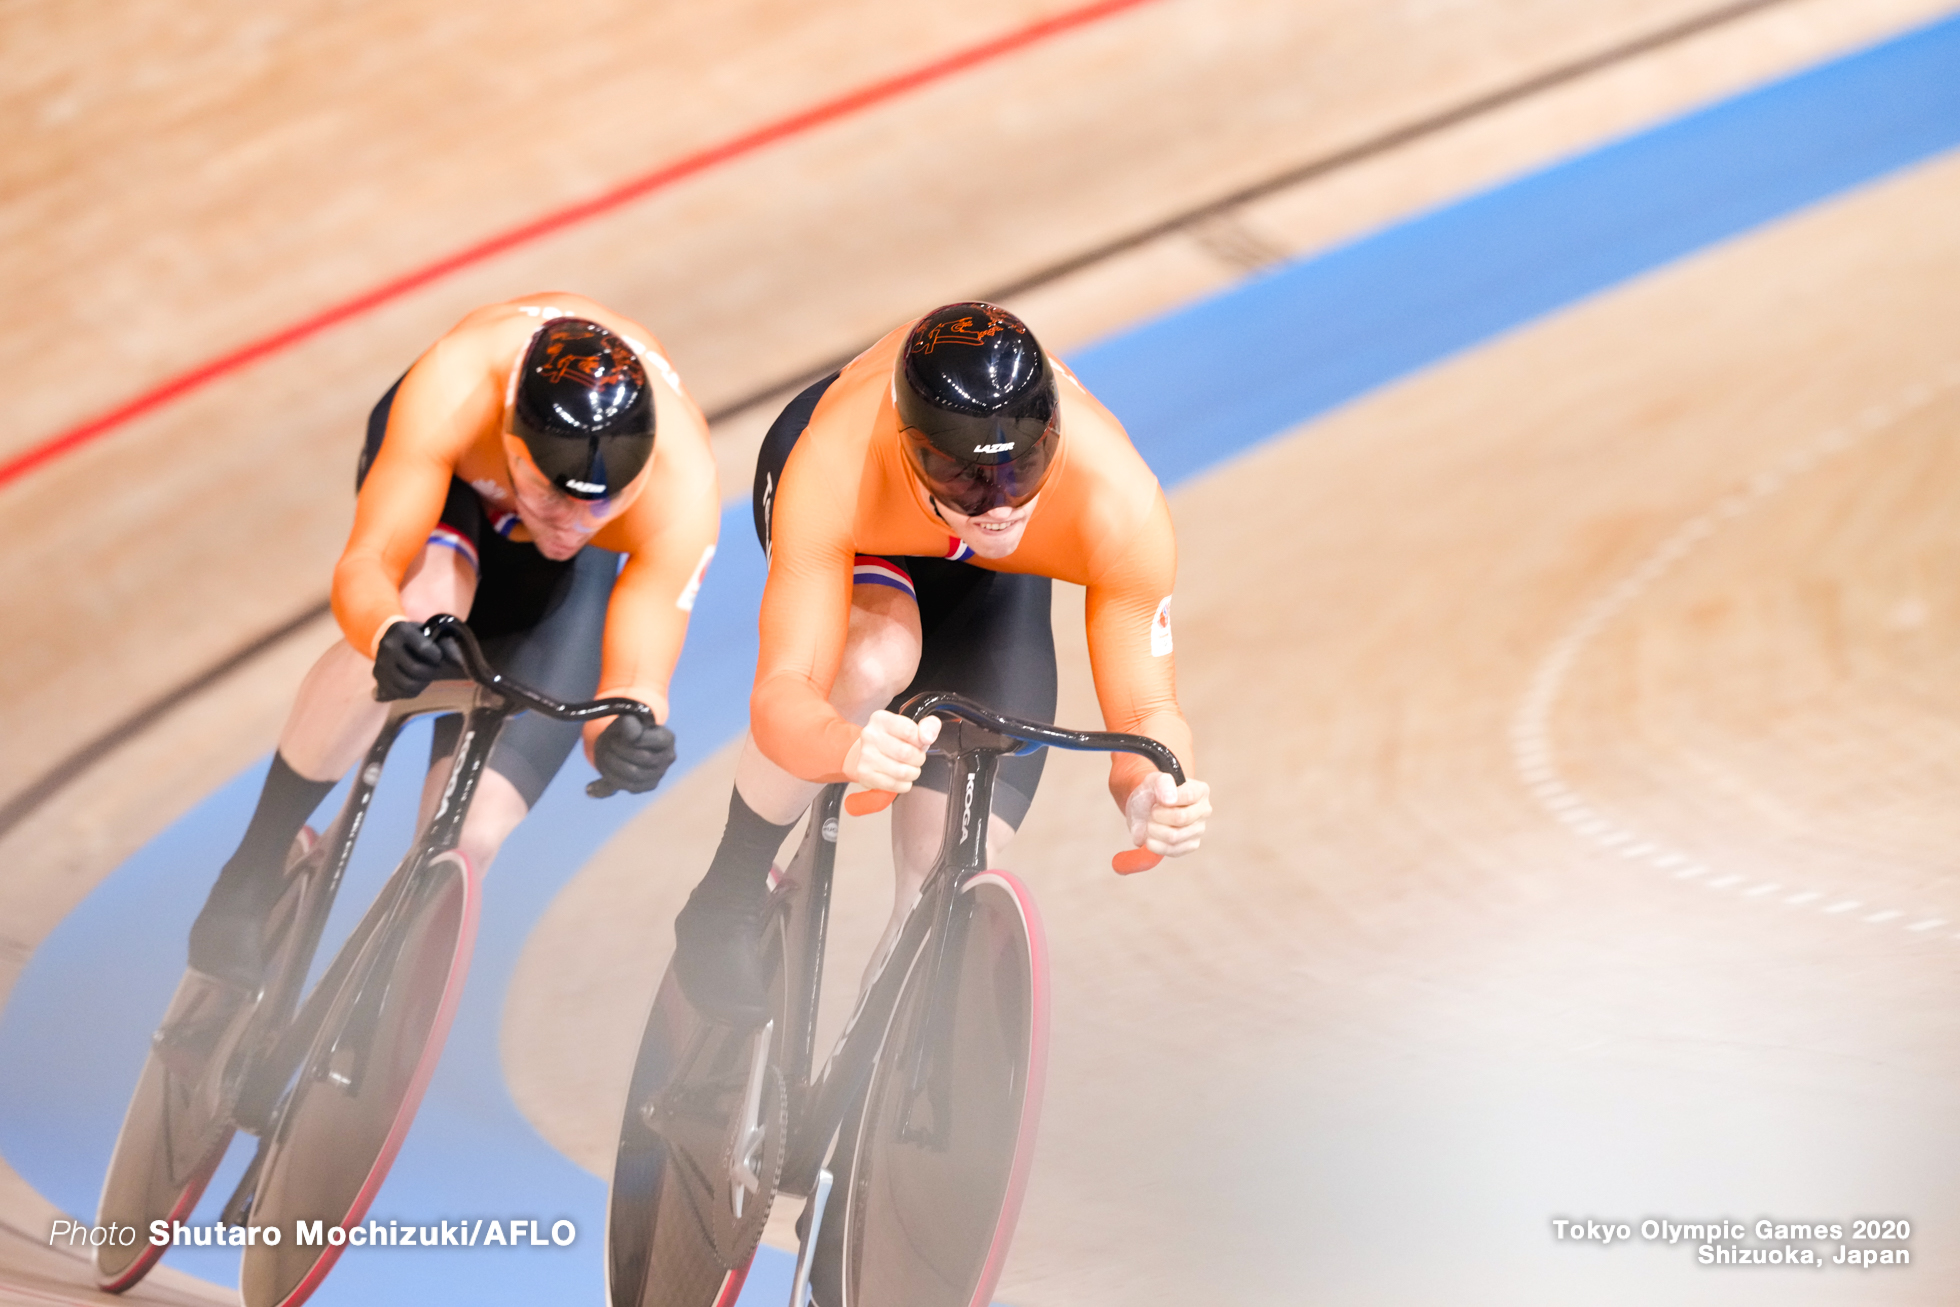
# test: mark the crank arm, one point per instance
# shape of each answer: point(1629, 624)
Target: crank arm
point(749, 1131)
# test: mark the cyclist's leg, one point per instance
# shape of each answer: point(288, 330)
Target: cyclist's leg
point(334, 719)
point(715, 933)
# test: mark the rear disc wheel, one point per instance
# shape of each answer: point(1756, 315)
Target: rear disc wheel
point(358, 1090)
point(176, 1129)
point(179, 1121)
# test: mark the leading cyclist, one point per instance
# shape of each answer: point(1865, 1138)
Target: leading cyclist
point(512, 474)
point(915, 507)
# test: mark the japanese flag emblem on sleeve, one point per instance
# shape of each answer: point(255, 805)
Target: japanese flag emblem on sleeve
point(1160, 629)
point(685, 602)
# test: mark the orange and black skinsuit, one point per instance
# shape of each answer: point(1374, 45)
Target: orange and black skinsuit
point(434, 475)
point(836, 505)
point(612, 617)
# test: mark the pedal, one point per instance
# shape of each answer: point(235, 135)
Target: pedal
point(749, 1130)
point(185, 1048)
point(806, 1249)
point(192, 1035)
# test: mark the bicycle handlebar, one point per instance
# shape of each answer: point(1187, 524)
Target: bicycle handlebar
point(1034, 735)
point(477, 668)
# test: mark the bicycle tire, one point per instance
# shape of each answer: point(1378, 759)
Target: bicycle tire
point(937, 1173)
point(179, 1120)
point(338, 1132)
point(175, 1131)
point(671, 1237)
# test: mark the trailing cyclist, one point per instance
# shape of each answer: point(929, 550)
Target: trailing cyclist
point(915, 507)
point(512, 475)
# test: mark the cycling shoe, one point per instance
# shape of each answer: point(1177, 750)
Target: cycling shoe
point(716, 955)
point(228, 939)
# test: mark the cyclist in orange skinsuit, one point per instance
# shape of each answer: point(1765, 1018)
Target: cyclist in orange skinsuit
point(915, 507)
point(512, 476)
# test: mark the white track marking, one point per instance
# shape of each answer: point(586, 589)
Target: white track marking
point(1536, 760)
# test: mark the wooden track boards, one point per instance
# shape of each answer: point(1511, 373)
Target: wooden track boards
point(1388, 932)
point(177, 560)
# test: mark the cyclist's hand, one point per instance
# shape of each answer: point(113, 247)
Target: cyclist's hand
point(1168, 818)
point(405, 662)
point(632, 754)
point(890, 752)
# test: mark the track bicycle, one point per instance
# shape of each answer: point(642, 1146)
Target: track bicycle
point(328, 1084)
point(912, 1141)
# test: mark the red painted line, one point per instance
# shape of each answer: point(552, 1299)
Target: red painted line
point(660, 178)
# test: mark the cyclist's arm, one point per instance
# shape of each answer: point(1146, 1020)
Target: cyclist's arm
point(805, 618)
point(667, 536)
point(445, 399)
point(1135, 673)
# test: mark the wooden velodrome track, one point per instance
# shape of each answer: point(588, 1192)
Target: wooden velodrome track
point(1410, 643)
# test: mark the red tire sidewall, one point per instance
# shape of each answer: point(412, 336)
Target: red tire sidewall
point(1037, 1078)
point(418, 1082)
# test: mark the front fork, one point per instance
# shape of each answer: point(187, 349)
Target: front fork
point(927, 1078)
point(840, 1088)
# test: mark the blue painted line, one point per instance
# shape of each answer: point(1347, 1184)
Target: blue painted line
point(74, 1034)
point(1258, 358)
point(1195, 387)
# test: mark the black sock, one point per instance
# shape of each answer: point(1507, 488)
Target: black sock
point(740, 870)
point(285, 803)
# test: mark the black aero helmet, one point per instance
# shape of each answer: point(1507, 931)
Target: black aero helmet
point(583, 408)
point(977, 410)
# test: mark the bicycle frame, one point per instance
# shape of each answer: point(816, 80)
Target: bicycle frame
point(975, 738)
point(701, 1136)
point(281, 1031)
point(271, 1068)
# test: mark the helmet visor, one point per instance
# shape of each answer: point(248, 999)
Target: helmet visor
point(973, 488)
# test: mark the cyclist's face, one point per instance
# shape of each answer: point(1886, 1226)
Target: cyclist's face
point(995, 533)
point(560, 525)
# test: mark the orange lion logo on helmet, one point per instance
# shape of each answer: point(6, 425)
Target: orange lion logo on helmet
point(968, 330)
point(585, 367)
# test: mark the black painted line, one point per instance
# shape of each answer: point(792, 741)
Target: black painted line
point(101, 746)
point(1346, 157)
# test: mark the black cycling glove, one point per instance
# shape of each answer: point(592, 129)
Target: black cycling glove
point(632, 754)
point(405, 663)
